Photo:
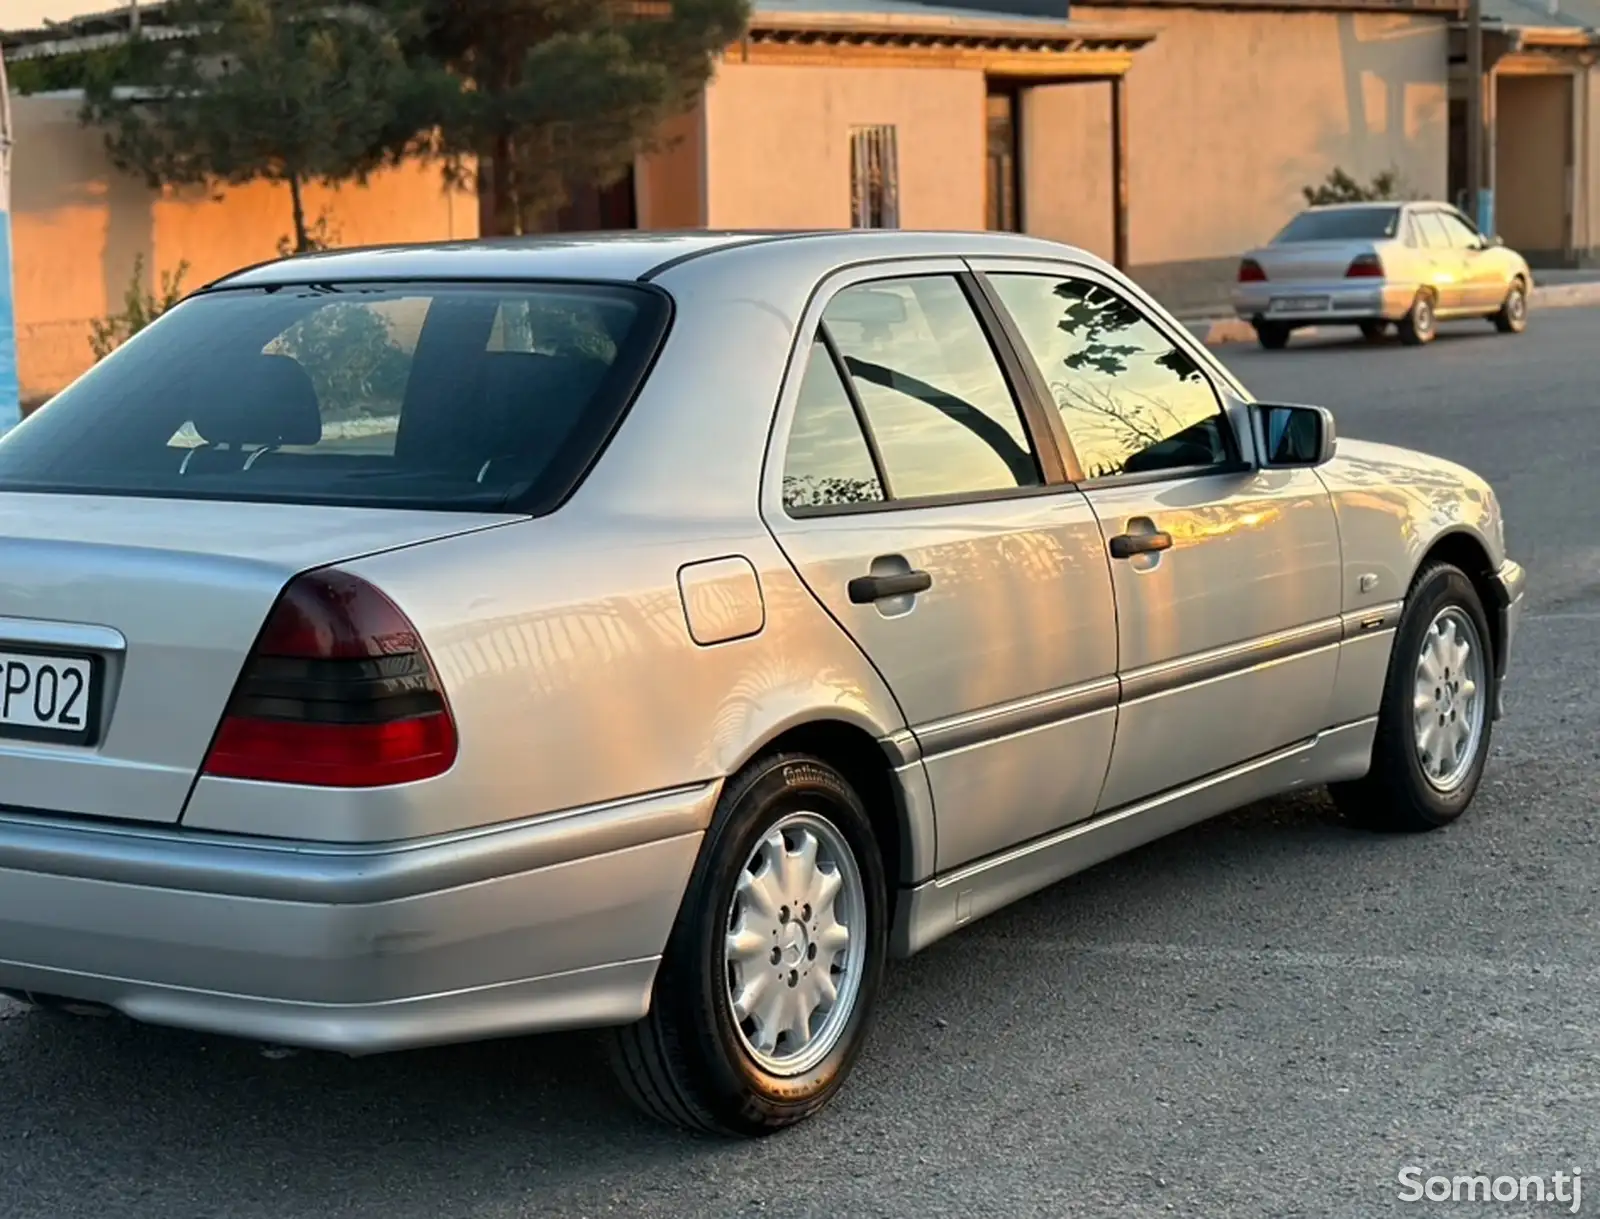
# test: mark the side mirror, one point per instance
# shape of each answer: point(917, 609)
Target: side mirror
point(1293, 436)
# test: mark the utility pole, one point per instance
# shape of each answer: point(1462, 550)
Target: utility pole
point(133, 17)
point(1475, 110)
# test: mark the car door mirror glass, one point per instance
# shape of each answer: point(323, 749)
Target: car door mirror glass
point(1294, 435)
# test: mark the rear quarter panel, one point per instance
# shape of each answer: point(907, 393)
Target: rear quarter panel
point(565, 652)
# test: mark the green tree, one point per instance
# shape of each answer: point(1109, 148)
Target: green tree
point(288, 91)
point(548, 95)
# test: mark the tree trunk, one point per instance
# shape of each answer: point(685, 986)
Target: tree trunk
point(503, 187)
point(302, 239)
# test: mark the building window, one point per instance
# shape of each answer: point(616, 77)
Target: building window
point(1005, 162)
point(874, 178)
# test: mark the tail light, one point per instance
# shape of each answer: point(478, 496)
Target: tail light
point(1365, 266)
point(337, 692)
point(1250, 272)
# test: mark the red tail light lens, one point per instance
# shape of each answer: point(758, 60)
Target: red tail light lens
point(338, 692)
point(1365, 266)
point(1250, 272)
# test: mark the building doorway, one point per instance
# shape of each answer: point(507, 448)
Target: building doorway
point(1533, 164)
point(1005, 158)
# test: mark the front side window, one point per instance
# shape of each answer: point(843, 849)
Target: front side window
point(1132, 401)
point(440, 397)
point(931, 389)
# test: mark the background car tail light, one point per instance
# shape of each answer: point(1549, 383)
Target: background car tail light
point(1250, 272)
point(337, 692)
point(1365, 266)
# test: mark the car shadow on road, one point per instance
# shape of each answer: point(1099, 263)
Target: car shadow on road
point(527, 1116)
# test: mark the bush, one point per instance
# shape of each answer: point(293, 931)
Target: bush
point(1340, 187)
point(140, 307)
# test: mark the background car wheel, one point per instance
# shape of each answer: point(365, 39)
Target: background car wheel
point(1419, 324)
point(1513, 315)
point(1373, 331)
point(767, 987)
point(1274, 336)
point(1435, 722)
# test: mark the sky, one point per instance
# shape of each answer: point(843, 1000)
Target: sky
point(28, 14)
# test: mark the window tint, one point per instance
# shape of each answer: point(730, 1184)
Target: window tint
point(1461, 234)
point(828, 462)
point(1342, 223)
point(1132, 402)
point(931, 388)
point(448, 397)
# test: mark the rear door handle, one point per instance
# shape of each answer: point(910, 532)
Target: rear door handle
point(1126, 545)
point(864, 590)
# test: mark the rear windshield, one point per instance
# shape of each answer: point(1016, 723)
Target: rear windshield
point(480, 397)
point(1355, 223)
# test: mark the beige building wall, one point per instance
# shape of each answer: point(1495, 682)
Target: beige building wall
point(778, 144)
point(79, 225)
point(1230, 113)
point(669, 183)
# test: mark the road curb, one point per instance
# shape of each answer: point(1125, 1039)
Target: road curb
point(1214, 332)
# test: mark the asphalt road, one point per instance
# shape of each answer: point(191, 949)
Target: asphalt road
point(1270, 1015)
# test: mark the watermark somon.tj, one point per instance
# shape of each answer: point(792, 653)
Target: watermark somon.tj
point(1558, 1188)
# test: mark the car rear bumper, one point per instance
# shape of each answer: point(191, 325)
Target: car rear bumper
point(1510, 586)
point(1340, 301)
point(555, 922)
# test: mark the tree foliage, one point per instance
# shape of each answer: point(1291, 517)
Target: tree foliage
point(1340, 187)
point(289, 91)
point(140, 307)
point(541, 96)
point(545, 95)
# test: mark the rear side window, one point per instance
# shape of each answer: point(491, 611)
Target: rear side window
point(478, 397)
point(1342, 224)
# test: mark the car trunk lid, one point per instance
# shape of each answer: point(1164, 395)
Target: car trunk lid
point(124, 624)
point(1310, 261)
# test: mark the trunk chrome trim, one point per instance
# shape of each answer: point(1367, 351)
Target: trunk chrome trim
point(71, 635)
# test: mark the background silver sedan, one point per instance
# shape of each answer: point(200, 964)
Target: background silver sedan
point(414, 645)
point(1376, 264)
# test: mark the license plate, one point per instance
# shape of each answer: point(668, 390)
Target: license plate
point(46, 696)
point(1298, 304)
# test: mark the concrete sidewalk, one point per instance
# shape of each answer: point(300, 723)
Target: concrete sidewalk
point(1558, 291)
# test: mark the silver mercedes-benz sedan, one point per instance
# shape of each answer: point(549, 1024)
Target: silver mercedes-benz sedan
point(1373, 265)
point(412, 645)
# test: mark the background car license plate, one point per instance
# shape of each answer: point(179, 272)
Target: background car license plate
point(47, 696)
point(1298, 304)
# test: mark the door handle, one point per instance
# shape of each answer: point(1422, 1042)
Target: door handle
point(1126, 545)
point(864, 590)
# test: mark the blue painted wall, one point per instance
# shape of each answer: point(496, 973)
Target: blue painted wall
point(10, 404)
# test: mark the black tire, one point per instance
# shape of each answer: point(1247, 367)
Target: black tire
point(686, 1063)
point(1396, 796)
point(1419, 325)
point(1274, 336)
point(1374, 330)
point(1512, 317)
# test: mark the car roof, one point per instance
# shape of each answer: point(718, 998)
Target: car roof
point(618, 256)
